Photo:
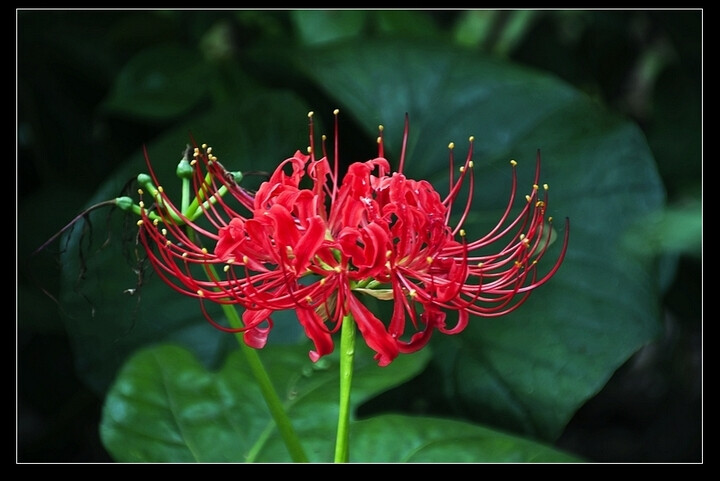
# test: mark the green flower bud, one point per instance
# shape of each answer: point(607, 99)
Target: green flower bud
point(125, 203)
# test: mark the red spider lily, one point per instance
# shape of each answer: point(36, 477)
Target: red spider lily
point(319, 249)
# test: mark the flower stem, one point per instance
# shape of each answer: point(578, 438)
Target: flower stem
point(347, 353)
point(282, 421)
point(272, 400)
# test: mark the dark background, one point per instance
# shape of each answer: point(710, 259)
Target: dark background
point(645, 64)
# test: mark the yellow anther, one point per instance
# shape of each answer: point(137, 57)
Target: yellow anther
point(336, 111)
point(540, 203)
point(462, 168)
point(310, 114)
point(518, 264)
point(308, 299)
point(160, 189)
point(245, 259)
point(140, 191)
point(528, 198)
point(378, 140)
point(535, 187)
point(429, 259)
point(471, 164)
point(184, 254)
point(513, 163)
point(168, 243)
point(479, 264)
point(550, 220)
point(546, 187)
point(534, 261)
point(471, 138)
point(193, 162)
point(209, 150)
point(337, 269)
point(462, 232)
point(156, 222)
point(141, 204)
point(204, 146)
point(381, 127)
point(388, 253)
point(388, 265)
point(323, 281)
point(451, 145)
point(213, 158)
point(526, 241)
point(412, 293)
point(522, 236)
point(204, 250)
point(200, 293)
point(140, 222)
point(309, 150)
point(226, 268)
point(164, 232)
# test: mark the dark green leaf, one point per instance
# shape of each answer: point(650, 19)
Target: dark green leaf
point(166, 407)
point(406, 23)
point(675, 230)
point(160, 83)
point(406, 439)
point(322, 26)
point(531, 370)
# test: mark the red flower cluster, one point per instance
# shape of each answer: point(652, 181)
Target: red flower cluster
point(317, 244)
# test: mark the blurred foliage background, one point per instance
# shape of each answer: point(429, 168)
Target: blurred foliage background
point(74, 127)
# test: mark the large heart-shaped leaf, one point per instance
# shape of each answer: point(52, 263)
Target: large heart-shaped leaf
point(531, 370)
point(112, 304)
point(406, 439)
point(166, 407)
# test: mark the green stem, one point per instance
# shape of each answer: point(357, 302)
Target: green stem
point(277, 410)
point(347, 353)
point(185, 200)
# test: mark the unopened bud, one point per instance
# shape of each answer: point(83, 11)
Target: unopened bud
point(124, 203)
